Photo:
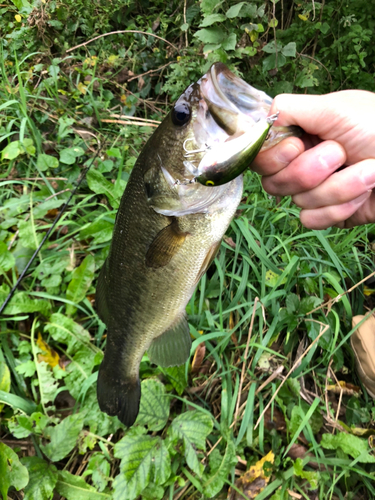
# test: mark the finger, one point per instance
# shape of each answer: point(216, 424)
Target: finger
point(306, 171)
point(364, 215)
point(340, 187)
point(316, 114)
point(321, 218)
point(275, 159)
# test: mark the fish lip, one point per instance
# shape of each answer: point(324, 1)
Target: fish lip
point(231, 99)
point(235, 95)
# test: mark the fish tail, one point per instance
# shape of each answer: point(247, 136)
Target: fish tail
point(118, 395)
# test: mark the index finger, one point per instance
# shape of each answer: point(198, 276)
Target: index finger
point(275, 159)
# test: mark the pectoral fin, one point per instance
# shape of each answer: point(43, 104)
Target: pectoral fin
point(165, 245)
point(172, 348)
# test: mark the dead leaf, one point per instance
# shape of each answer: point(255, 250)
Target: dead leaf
point(253, 481)
point(51, 214)
point(344, 387)
point(199, 354)
point(49, 355)
point(141, 83)
point(297, 451)
point(274, 420)
point(155, 24)
point(229, 241)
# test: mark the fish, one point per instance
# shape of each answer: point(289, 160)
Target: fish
point(168, 230)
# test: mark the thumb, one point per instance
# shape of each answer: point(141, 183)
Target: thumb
point(316, 114)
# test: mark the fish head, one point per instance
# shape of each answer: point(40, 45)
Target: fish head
point(217, 108)
point(220, 106)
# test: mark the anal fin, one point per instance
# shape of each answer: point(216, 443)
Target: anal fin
point(172, 348)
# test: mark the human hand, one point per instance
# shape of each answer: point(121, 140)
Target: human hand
point(340, 130)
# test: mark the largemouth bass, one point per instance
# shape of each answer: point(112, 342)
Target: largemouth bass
point(167, 233)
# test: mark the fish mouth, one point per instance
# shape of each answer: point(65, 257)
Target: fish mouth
point(235, 105)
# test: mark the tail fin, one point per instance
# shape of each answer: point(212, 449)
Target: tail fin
point(118, 396)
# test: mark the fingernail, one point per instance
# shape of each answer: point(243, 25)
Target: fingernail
point(331, 159)
point(368, 176)
point(288, 153)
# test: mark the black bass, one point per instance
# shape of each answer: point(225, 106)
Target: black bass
point(167, 232)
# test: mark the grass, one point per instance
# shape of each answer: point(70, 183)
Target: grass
point(270, 321)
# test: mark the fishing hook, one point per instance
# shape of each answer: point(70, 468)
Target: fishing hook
point(191, 152)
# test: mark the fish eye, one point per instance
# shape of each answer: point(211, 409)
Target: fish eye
point(181, 114)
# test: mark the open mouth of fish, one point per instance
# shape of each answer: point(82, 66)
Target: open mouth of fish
point(233, 127)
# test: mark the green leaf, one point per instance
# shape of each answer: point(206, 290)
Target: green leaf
point(153, 492)
point(312, 477)
point(211, 35)
point(100, 469)
point(352, 445)
point(28, 235)
point(12, 472)
point(154, 406)
point(63, 437)
point(28, 145)
point(304, 80)
point(100, 185)
point(230, 42)
point(22, 426)
point(292, 303)
point(20, 4)
point(43, 478)
point(81, 280)
point(219, 470)
point(234, 10)
point(21, 303)
point(11, 151)
point(67, 331)
point(272, 47)
point(44, 162)
point(273, 23)
point(27, 369)
point(137, 454)
point(101, 230)
point(207, 6)
point(69, 155)
point(75, 488)
point(308, 304)
point(324, 28)
point(356, 412)
point(192, 427)
point(177, 377)
point(211, 19)
point(48, 385)
point(4, 379)
point(270, 62)
point(161, 463)
point(7, 260)
point(289, 50)
point(79, 370)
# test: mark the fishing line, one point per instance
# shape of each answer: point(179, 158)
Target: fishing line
point(46, 236)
